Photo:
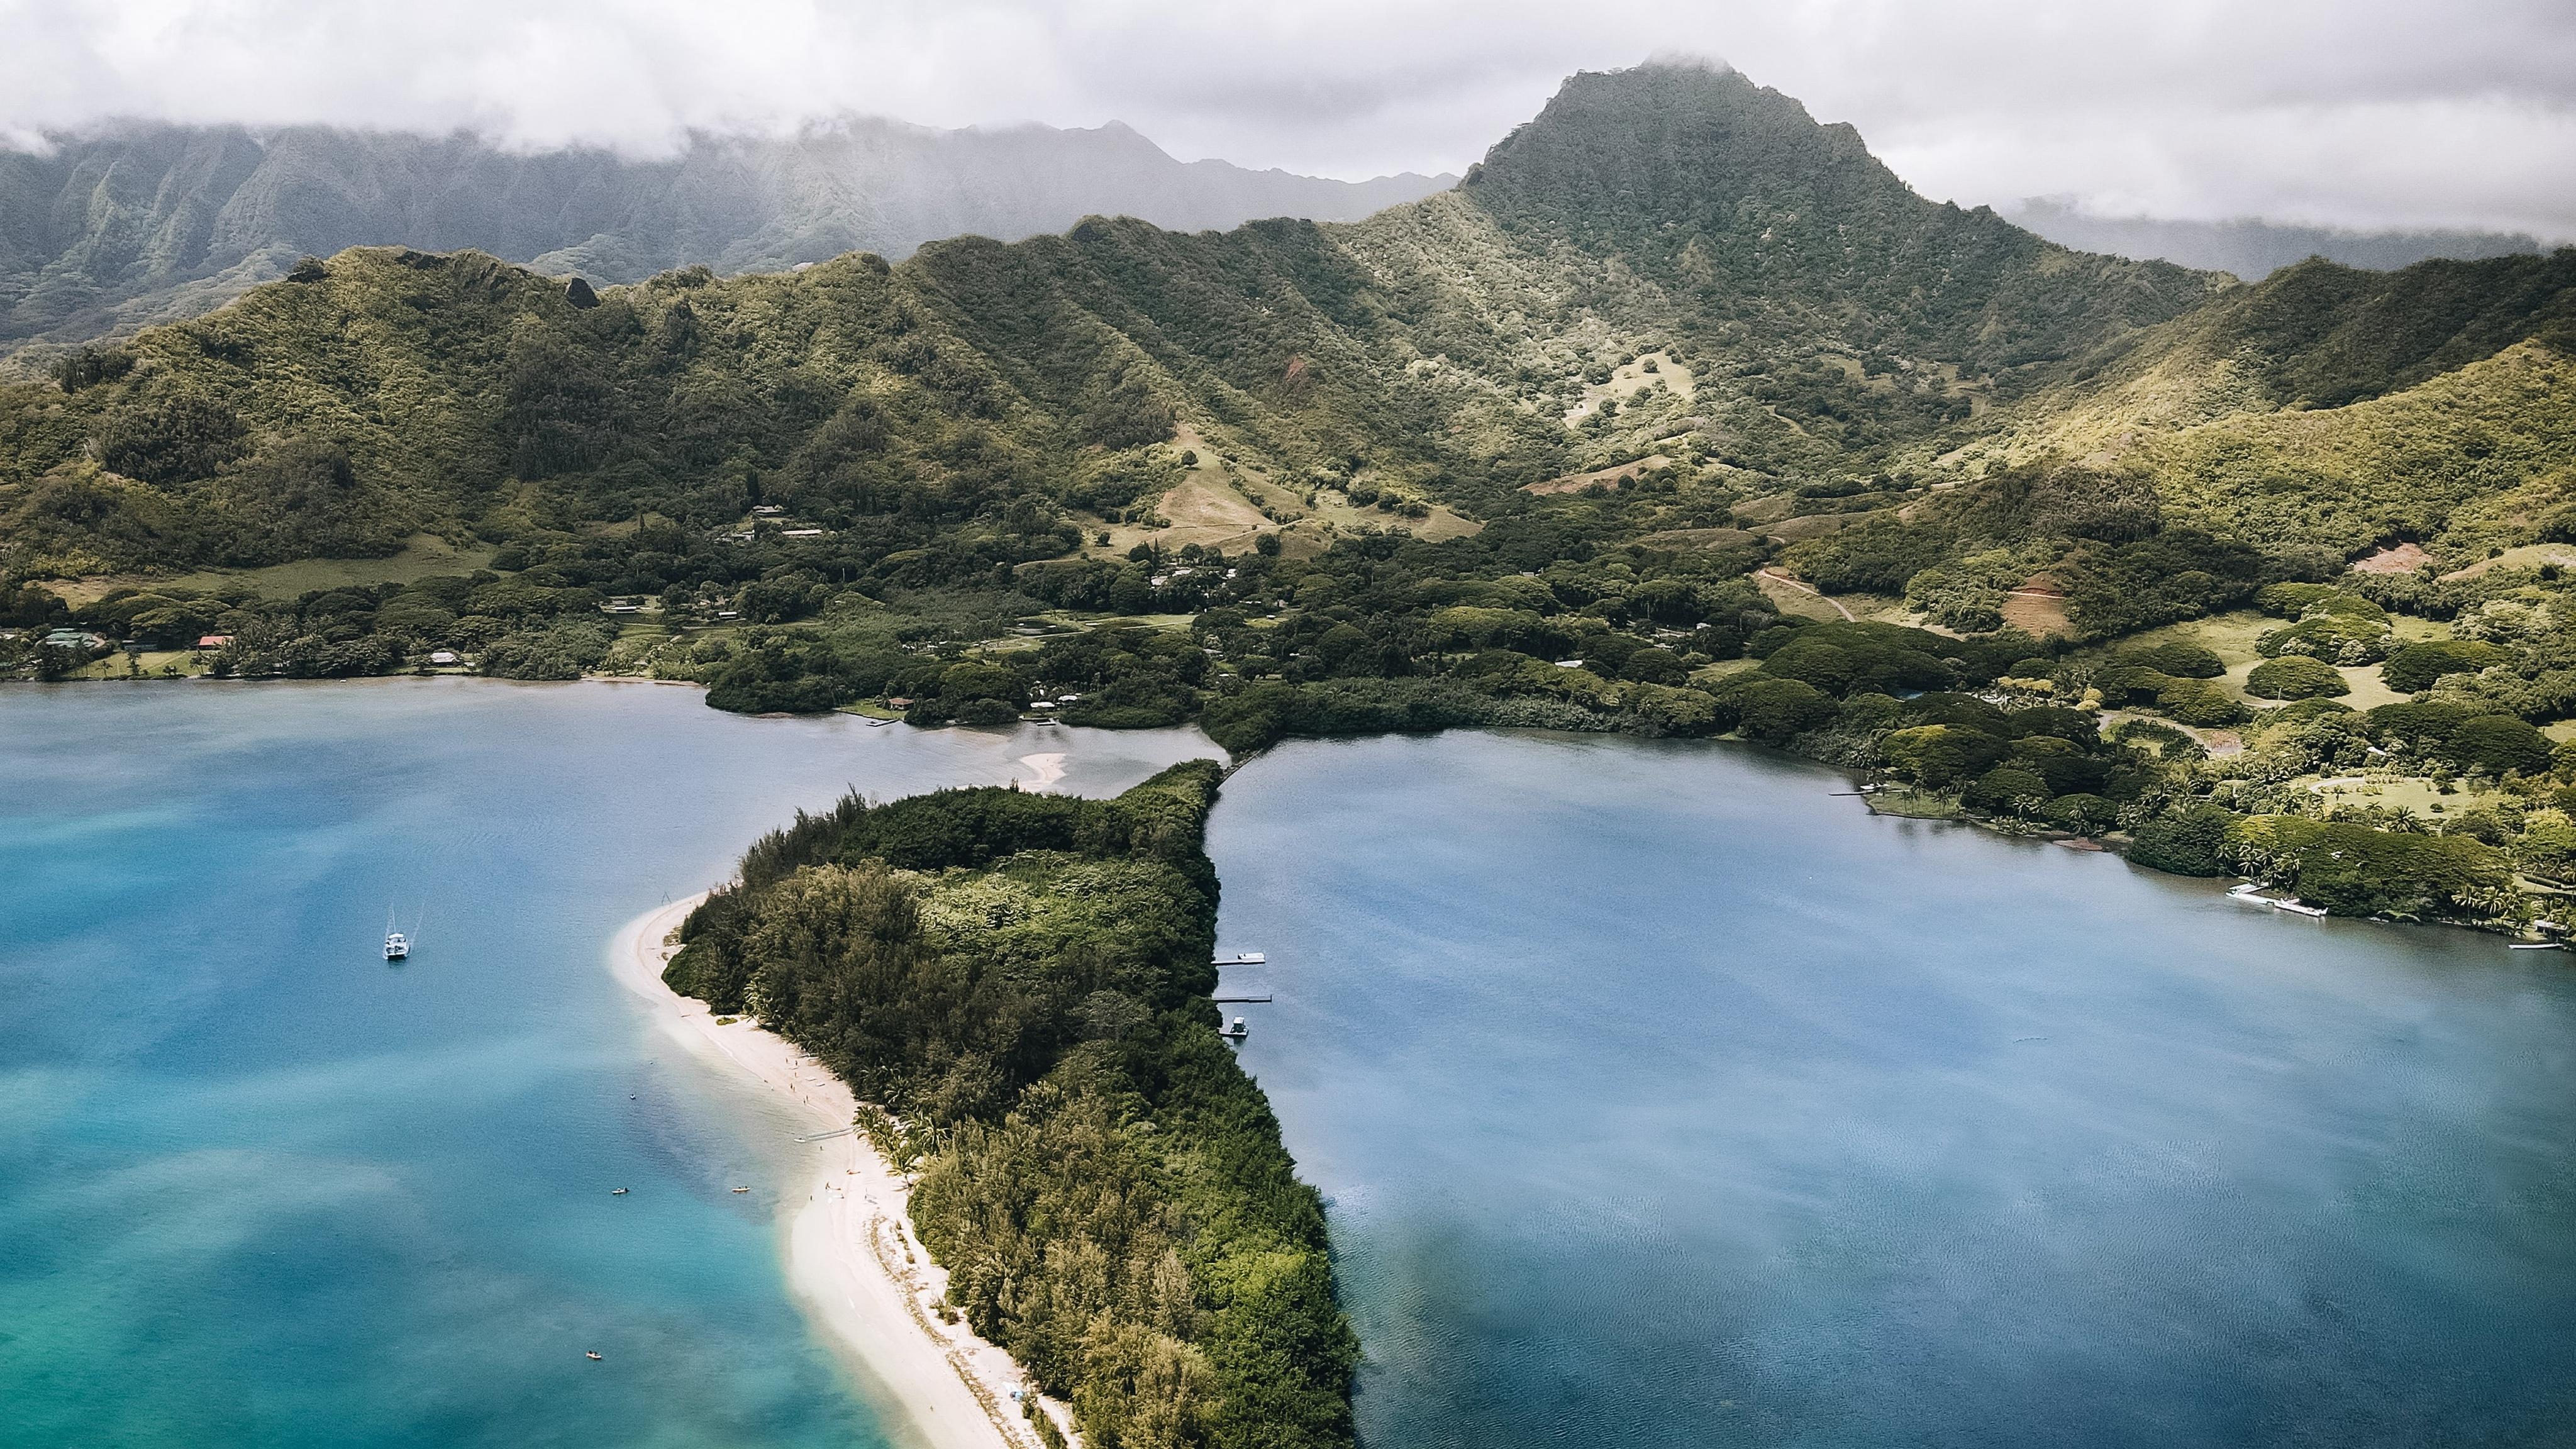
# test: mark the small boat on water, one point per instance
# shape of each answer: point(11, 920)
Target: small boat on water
point(2250, 893)
point(617, 1192)
point(742, 1189)
point(397, 945)
point(1242, 958)
point(2298, 908)
point(2535, 945)
point(1234, 1031)
point(591, 1354)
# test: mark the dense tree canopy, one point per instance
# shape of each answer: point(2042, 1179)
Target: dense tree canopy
point(1023, 979)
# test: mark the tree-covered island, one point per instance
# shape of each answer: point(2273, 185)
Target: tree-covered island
point(1021, 982)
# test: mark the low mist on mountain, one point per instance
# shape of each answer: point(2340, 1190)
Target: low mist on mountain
point(2252, 248)
point(132, 224)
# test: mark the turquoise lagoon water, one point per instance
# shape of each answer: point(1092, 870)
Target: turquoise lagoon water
point(259, 1188)
point(1661, 1100)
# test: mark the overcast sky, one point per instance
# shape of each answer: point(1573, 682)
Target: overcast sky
point(2367, 112)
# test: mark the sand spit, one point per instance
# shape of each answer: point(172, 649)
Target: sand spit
point(851, 1254)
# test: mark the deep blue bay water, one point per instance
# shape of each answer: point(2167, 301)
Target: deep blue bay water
point(1661, 1100)
point(258, 1188)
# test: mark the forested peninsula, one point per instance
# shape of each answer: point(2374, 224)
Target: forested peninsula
point(1018, 985)
point(1681, 414)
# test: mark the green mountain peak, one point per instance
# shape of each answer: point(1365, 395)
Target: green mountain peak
point(1744, 208)
point(1674, 142)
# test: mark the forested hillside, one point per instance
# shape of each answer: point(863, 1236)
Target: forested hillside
point(1440, 348)
point(1023, 981)
point(136, 223)
point(1675, 380)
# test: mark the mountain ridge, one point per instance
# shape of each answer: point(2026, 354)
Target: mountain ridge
point(1725, 188)
point(131, 223)
point(1666, 262)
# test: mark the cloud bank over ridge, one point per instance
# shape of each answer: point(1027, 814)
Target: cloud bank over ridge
point(2370, 114)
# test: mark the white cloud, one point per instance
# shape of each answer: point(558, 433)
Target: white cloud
point(2370, 112)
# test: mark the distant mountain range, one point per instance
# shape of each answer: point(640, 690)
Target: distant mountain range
point(2252, 248)
point(135, 223)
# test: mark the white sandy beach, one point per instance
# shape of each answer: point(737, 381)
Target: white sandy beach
point(851, 1254)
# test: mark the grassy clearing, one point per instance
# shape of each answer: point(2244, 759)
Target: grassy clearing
point(1205, 507)
point(1632, 377)
point(1076, 621)
point(2411, 794)
point(2230, 636)
point(1443, 524)
point(1607, 477)
point(1220, 505)
point(1914, 805)
point(2369, 691)
point(2528, 556)
point(2036, 612)
point(1708, 674)
point(1881, 608)
point(1794, 598)
point(423, 556)
point(1335, 510)
point(152, 662)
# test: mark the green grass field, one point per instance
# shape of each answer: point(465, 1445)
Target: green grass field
point(423, 556)
point(152, 662)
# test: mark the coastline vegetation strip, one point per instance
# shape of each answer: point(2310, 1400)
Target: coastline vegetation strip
point(947, 1381)
point(1021, 982)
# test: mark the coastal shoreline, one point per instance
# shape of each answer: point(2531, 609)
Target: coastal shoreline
point(851, 1256)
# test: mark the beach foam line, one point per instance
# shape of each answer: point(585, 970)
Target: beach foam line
point(852, 1259)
